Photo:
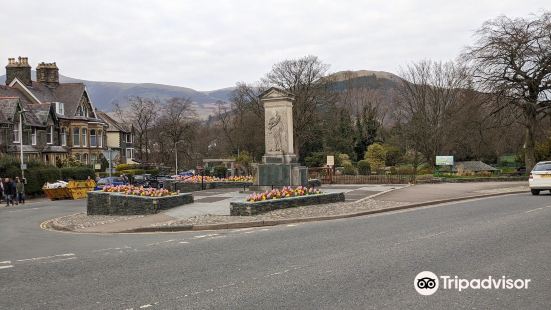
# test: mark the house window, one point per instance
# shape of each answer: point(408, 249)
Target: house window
point(128, 138)
point(60, 108)
point(100, 138)
point(16, 132)
point(84, 132)
point(50, 135)
point(77, 157)
point(63, 136)
point(130, 153)
point(85, 158)
point(33, 136)
point(93, 137)
point(93, 159)
point(76, 137)
point(79, 111)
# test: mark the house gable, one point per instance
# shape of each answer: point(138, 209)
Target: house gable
point(24, 90)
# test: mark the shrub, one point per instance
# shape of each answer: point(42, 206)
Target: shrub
point(77, 173)
point(376, 156)
point(220, 171)
point(122, 167)
point(37, 177)
point(316, 159)
point(363, 167)
point(132, 171)
point(349, 169)
point(106, 174)
point(392, 155)
point(152, 171)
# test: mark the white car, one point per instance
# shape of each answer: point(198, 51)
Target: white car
point(540, 177)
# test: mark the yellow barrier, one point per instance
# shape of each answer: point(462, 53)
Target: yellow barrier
point(57, 193)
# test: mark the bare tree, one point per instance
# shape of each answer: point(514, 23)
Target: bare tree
point(306, 79)
point(428, 101)
point(142, 114)
point(512, 59)
point(177, 125)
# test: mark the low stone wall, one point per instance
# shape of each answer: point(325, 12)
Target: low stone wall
point(253, 208)
point(183, 187)
point(101, 203)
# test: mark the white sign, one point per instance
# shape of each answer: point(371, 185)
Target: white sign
point(330, 160)
point(444, 160)
point(23, 166)
point(97, 166)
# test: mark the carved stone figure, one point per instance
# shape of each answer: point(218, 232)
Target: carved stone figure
point(274, 129)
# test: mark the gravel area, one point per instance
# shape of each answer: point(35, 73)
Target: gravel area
point(298, 212)
point(81, 220)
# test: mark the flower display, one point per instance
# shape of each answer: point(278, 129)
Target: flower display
point(247, 178)
point(207, 179)
point(137, 191)
point(285, 192)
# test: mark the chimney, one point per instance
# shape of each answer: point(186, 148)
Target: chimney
point(20, 70)
point(47, 73)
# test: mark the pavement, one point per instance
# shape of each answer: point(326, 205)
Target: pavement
point(366, 262)
point(217, 201)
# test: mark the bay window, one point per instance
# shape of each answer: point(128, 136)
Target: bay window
point(84, 133)
point(76, 136)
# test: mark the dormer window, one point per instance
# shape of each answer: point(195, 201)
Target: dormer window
point(79, 111)
point(60, 108)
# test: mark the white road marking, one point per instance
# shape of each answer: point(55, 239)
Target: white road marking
point(7, 266)
point(6, 262)
point(108, 249)
point(291, 225)
point(45, 257)
point(184, 242)
point(24, 209)
point(204, 236)
point(160, 242)
point(537, 209)
point(146, 306)
point(59, 260)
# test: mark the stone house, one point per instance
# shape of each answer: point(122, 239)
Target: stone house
point(74, 128)
point(120, 139)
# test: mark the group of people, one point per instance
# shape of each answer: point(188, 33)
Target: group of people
point(13, 191)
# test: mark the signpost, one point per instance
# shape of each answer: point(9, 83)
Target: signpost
point(330, 160)
point(443, 161)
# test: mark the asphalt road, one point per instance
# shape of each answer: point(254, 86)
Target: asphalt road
point(360, 263)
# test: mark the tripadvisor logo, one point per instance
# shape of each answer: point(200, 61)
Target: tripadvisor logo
point(427, 283)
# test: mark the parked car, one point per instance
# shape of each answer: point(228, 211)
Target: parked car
point(109, 181)
point(147, 180)
point(540, 177)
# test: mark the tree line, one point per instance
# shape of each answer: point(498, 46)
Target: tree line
point(494, 99)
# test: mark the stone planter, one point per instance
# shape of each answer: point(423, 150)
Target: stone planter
point(102, 203)
point(183, 187)
point(253, 208)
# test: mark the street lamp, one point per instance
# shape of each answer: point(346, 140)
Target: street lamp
point(176, 152)
point(21, 142)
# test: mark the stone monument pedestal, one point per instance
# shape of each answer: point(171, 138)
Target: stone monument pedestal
point(279, 167)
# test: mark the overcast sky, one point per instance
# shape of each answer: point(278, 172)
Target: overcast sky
point(207, 45)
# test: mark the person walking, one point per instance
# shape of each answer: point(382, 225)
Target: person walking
point(8, 192)
point(20, 191)
point(1, 189)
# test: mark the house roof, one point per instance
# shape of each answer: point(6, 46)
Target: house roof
point(113, 124)
point(474, 165)
point(8, 107)
point(70, 94)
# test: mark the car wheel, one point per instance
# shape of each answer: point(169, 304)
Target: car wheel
point(535, 191)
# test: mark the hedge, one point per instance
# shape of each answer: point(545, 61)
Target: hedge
point(37, 177)
point(77, 173)
point(132, 171)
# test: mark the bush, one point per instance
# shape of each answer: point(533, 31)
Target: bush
point(349, 169)
point(37, 177)
point(220, 171)
point(132, 171)
point(392, 155)
point(376, 156)
point(77, 173)
point(316, 159)
point(122, 167)
point(363, 167)
point(152, 171)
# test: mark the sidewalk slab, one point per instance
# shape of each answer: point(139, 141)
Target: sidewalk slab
point(428, 192)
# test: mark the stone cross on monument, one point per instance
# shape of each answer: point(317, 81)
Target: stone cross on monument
point(279, 166)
